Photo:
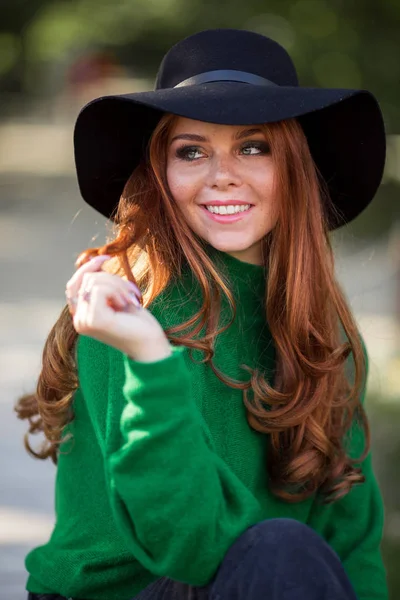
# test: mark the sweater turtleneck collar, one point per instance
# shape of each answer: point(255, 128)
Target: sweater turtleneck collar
point(247, 281)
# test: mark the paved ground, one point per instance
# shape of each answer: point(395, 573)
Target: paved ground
point(41, 234)
point(38, 246)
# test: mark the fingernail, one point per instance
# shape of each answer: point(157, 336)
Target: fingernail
point(135, 301)
point(101, 257)
point(133, 286)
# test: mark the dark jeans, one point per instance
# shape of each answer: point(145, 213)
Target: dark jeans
point(276, 559)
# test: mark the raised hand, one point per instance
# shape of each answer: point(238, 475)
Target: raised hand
point(107, 308)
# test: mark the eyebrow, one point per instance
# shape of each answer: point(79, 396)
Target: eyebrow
point(194, 137)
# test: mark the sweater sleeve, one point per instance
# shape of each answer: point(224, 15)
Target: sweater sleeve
point(353, 526)
point(176, 502)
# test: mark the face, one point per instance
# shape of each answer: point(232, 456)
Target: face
point(223, 168)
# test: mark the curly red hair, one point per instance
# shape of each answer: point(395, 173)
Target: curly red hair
point(312, 406)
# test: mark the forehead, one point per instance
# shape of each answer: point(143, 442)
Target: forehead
point(185, 125)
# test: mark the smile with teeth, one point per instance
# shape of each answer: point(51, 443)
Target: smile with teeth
point(228, 209)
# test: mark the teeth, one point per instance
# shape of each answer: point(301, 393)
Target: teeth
point(228, 209)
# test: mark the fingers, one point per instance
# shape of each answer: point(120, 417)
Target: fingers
point(89, 280)
point(88, 311)
point(95, 311)
point(121, 293)
point(131, 298)
point(74, 284)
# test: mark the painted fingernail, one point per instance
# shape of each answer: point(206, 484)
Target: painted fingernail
point(134, 300)
point(134, 287)
point(101, 257)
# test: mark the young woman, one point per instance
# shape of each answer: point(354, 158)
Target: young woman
point(202, 391)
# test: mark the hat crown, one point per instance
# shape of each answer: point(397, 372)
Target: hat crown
point(226, 49)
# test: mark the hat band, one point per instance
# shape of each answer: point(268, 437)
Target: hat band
point(225, 75)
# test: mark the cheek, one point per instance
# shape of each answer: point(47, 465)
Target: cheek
point(181, 184)
point(262, 181)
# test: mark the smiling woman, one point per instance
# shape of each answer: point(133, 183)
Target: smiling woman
point(215, 400)
point(228, 178)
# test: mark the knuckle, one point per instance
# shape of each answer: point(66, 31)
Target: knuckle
point(109, 277)
point(87, 277)
point(89, 264)
point(90, 322)
point(77, 324)
point(82, 326)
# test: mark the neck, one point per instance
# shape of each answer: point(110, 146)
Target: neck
point(235, 263)
point(252, 255)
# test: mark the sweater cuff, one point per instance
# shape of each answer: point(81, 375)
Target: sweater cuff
point(160, 364)
point(156, 379)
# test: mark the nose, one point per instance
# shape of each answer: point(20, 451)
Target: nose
point(224, 172)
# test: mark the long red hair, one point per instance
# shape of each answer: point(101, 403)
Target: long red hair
point(311, 406)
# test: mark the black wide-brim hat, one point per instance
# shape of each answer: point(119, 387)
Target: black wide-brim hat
point(234, 77)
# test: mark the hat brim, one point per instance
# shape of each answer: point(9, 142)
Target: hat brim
point(344, 128)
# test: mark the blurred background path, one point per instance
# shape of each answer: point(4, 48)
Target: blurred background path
point(39, 241)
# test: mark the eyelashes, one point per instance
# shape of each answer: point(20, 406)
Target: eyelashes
point(185, 152)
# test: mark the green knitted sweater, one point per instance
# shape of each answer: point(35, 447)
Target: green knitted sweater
point(164, 472)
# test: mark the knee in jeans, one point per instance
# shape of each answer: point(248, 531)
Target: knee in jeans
point(273, 542)
point(285, 532)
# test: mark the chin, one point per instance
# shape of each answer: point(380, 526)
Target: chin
point(231, 245)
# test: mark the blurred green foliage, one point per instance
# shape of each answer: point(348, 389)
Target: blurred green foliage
point(338, 43)
point(391, 558)
point(384, 419)
point(334, 43)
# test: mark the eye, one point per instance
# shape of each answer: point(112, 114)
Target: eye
point(188, 153)
point(260, 147)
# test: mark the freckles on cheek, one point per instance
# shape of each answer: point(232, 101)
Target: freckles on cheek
point(182, 186)
point(181, 191)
